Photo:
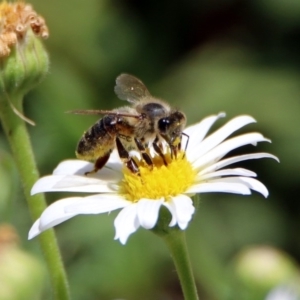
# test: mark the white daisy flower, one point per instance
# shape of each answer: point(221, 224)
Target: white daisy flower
point(201, 170)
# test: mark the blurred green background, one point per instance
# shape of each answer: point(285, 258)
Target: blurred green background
point(204, 57)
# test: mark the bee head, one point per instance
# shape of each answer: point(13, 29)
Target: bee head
point(171, 127)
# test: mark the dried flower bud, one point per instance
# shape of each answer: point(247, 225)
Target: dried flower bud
point(23, 59)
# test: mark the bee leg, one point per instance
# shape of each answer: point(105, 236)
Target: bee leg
point(174, 151)
point(158, 150)
point(145, 155)
point(124, 155)
point(186, 144)
point(99, 164)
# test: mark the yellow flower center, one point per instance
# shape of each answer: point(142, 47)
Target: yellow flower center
point(158, 181)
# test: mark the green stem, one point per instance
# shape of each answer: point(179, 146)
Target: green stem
point(175, 240)
point(18, 137)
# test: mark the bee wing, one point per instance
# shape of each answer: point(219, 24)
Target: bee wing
point(130, 88)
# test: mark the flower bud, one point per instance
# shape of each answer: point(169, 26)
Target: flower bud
point(261, 269)
point(22, 276)
point(23, 59)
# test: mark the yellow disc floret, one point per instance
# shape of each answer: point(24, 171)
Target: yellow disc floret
point(158, 181)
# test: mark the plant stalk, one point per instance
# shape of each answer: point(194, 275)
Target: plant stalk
point(176, 243)
point(17, 135)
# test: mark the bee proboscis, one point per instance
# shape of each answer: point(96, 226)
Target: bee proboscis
point(147, 122)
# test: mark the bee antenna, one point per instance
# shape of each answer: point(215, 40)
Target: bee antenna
point(89, 112)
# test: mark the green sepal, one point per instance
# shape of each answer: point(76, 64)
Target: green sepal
point(26, 66)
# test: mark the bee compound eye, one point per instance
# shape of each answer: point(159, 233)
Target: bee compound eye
point(163, 124)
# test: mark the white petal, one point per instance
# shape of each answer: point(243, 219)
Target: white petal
point(147, 212)
point(218, 152)
point(219, 186)
point(172, 210)
point(72, 183)
point(114, 157)
point(198, 131)
point(126, 223)
point(34, 230)
point(73, 167)
point(220, 135)
point(237, 185)
point(227, 172)
point(231, 160)
point(114, 162)
point(255, 185)
point(251, 183)
point(97, 204)
point(183, 208)
point(53, 215)
point(110, 172)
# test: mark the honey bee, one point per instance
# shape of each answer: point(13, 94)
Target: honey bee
point(147, 122)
